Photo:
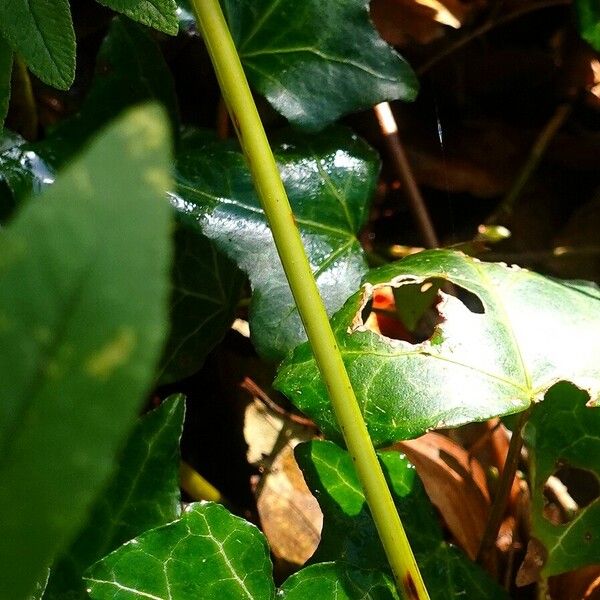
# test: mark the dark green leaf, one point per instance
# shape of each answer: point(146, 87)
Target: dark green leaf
point(142, 494)
point(130, 69)
point(588, 15)
point(329, 180)
point(349, 534)
point(206, 289)
point(208, 554)
point(159, 14)
point(42, 33)
point(565, 433)
point(81, 330)
point(338, 581)
point(6, 60)
point(315, 61)
point(473, 367)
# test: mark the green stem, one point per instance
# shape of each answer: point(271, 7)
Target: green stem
point(269, 186)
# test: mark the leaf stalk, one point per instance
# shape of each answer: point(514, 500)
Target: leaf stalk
point(273, 197)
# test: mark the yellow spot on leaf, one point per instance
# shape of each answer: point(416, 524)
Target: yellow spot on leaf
point(112, 355)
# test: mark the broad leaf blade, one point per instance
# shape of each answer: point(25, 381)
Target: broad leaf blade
point(349, 535)
point(206, 289)
point(315, 61)
point(474, 366)
point(588, 15)
point(81, 331)
point(158, 14)
point(564, 432)
point(42, 33)
point(6, 60)
point(329, 180)
point(338, 581)
point(208, 554)
point(142, 494)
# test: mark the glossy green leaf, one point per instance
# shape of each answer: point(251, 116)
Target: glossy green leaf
point(206, 289)
point(588, 16)
point(42, 33)
point(6, 60)
point(329, 180)
point(564, 432)
point(208, 554)
point(338, 581)
point(349, 534)
point(315, 61)
point(158, 14)
point(81, 330)
point(142, 494)
point(474, 366)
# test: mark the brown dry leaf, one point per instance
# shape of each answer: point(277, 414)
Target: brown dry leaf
point(533, 562)
point(290, 516)
point(400, 21)
point(456, 484)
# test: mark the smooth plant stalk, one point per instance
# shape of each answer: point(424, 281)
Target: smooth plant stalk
point(272, 194)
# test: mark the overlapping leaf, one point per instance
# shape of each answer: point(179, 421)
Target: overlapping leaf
point(158, 14)
point(42, 33)
point(206, 289)
point(208, 554)
point(474, 366)
point(143, 493)
point(315, 61)
point(588, 14)
point(80, 333)
point(349, 534)
point(329, 180)
point(561, 433)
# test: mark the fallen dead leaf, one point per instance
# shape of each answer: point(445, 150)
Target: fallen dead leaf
point(290, 516)
point(455, 483)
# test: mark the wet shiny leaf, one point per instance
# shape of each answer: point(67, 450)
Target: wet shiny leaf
point(315, 61)
point(329, 179)
point(473, 366)
point(142, 494)
point(80, 334)
point(208, 554)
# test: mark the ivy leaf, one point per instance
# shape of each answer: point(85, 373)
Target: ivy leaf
point(588, 16)
point(329, 180)
point(565, 433)
point(208, 554)
point(315, 61)
point(338, 581)
point(349, 535)
point(42, 33)
point(473, 366)
point(6, 61)
point(80, 333)
point(143, 493)
point(206, 289)
point(158, 14)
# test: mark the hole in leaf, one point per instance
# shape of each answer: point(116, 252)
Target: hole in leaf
point(410, 312)
point(567, 492)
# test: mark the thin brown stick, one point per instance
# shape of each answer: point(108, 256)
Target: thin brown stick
point(488, 541)
point(389, 129)
point(255, 390)
point(483, 29)
point(536, 154)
